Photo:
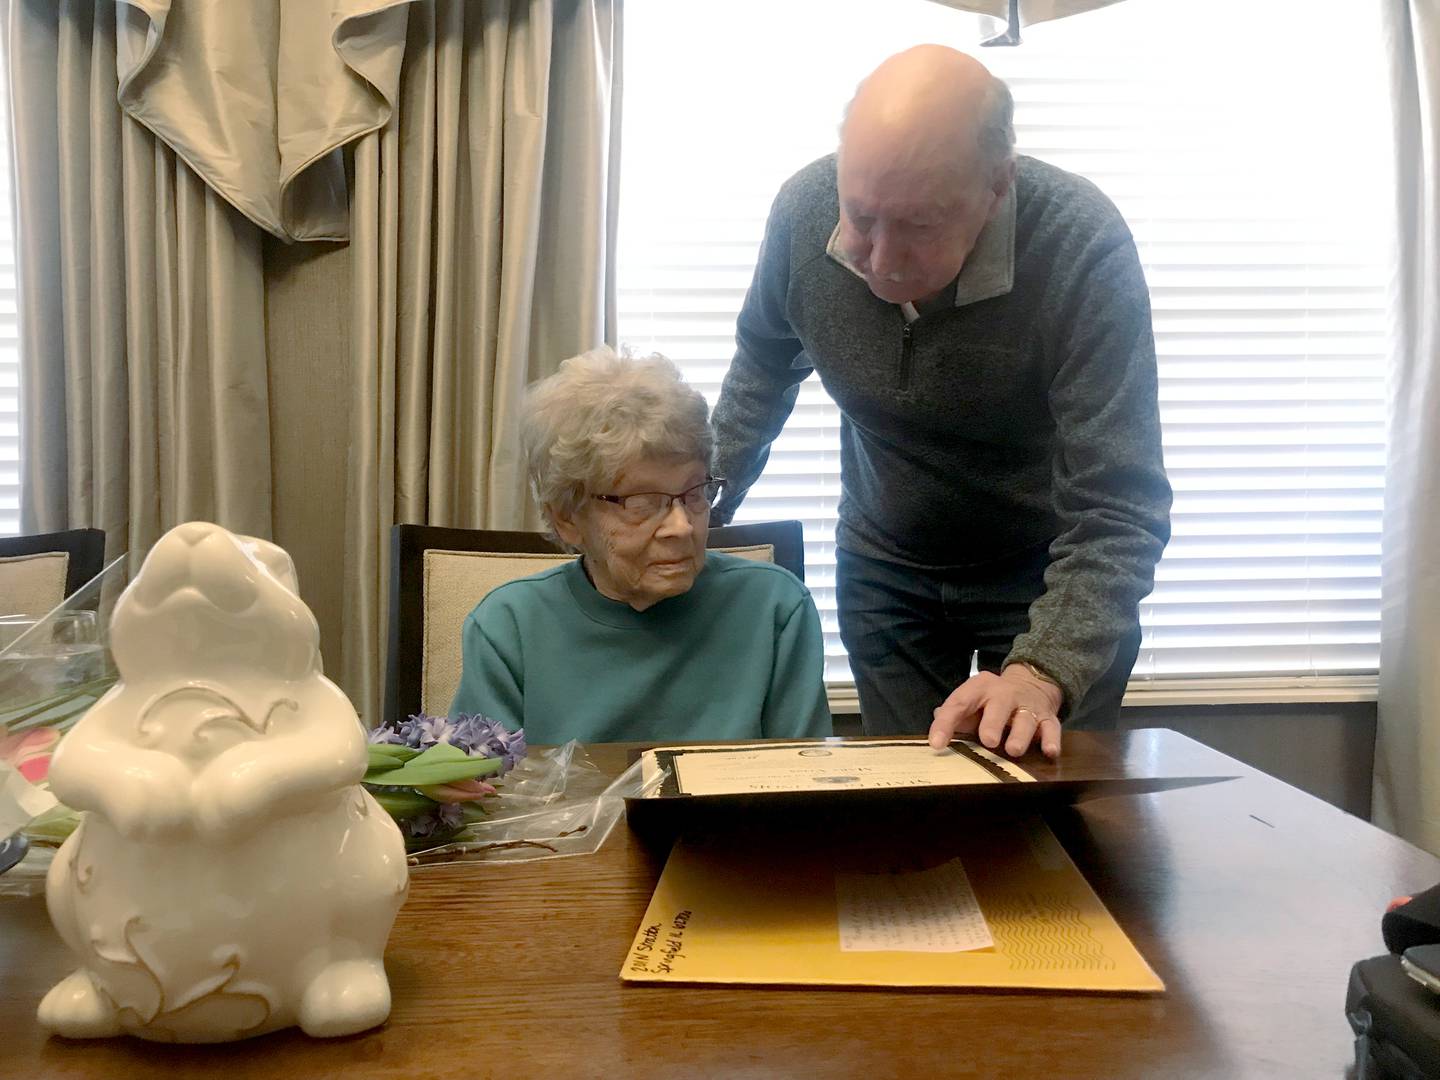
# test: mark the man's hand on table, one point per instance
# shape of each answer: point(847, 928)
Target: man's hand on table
point(988, 704)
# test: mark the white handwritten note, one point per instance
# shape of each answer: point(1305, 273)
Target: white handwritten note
point(931, 910)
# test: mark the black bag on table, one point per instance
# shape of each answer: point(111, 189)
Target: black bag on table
point(1395, 1019)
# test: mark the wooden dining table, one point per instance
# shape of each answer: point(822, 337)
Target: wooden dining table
point(1249, 898)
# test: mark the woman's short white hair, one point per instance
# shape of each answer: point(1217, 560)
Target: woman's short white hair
point(602, 412)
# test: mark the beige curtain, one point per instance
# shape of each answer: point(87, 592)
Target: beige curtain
point(141, 307)
point(1407, 753)
point(259, 96)
point(482, 249)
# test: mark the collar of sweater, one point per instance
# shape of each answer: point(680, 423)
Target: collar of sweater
point(988, 271)
point(622, 616)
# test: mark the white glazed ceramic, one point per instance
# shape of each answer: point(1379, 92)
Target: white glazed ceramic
point(230, 876)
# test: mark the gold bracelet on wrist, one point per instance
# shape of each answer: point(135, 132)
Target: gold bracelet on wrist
point(1042, 676)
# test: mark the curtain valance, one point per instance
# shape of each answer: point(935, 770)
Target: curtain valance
point(259, 97)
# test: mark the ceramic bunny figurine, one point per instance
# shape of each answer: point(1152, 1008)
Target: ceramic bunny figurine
point(230, 876)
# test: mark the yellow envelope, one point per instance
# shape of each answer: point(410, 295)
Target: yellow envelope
point(998, 905)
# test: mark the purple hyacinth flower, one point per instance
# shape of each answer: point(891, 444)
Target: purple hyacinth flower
point(490, 738)
point(477, 735)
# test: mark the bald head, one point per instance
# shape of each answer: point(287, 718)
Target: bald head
point(932, 106)
point(926, 159)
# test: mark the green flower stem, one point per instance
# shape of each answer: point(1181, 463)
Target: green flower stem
point(441, 764)
point(388, 755)
point(403, 804)
point(33, 714)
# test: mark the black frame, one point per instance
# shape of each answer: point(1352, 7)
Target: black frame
point(408, 544)
point(86, 548)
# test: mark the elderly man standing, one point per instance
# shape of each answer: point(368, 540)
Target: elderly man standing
point(982, 322)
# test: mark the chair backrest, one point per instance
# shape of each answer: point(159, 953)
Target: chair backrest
point(438, 575)
point(40, 570)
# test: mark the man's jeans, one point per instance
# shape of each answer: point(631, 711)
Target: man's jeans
point(912, 636)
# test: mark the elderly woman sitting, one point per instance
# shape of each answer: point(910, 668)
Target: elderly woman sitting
point(646, 635)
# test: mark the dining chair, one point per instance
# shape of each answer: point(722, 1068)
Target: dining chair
point(438, 575)
point(40, 570)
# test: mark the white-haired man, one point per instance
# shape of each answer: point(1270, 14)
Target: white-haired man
point(983, 323)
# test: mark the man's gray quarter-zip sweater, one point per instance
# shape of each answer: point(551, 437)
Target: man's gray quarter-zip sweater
point(1022, 416)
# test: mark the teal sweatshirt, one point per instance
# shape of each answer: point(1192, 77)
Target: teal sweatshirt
point(739, 656)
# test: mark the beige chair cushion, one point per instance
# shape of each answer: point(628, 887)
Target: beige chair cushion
point(757, 552)
point(32, 584)
point(455, 581)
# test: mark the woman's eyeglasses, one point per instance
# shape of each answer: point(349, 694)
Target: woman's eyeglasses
point(646, 506)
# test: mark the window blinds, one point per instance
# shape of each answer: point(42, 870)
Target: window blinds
point(1256, 181)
